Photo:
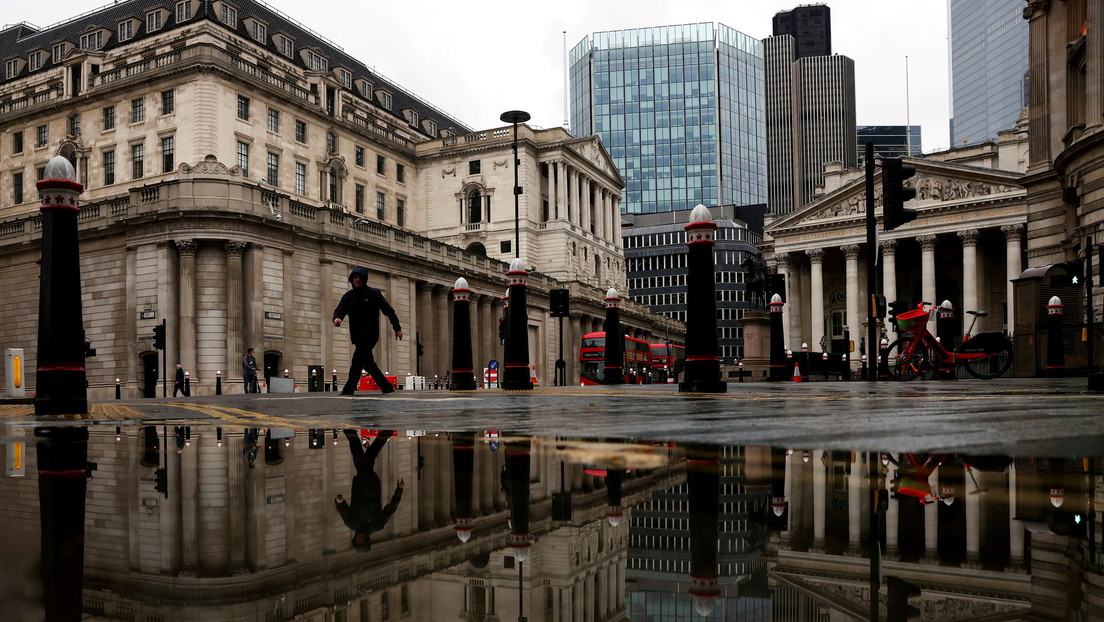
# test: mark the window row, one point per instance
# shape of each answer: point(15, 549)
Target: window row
point(108, 120)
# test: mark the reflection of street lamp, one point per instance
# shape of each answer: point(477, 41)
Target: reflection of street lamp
point(515, 117)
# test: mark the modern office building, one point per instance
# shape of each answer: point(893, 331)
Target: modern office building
point(655, 258)
point(988, 57)
point(890, 141)
point(810, 106)
point(809, 25)
point(680, 109)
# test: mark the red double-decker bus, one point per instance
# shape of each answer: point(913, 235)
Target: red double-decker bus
point(636, 365)
point(667, 362)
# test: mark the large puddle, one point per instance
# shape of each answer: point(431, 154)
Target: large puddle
point(157, 523)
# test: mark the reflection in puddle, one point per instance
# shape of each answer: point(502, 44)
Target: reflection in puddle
point(198, 522)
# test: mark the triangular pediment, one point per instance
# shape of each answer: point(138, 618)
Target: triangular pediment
point(936, 183)
point(592, 149)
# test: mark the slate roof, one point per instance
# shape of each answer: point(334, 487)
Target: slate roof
point(18, 40)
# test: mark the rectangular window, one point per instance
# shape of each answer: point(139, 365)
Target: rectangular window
point(17, 142)
point(331, 142)
point(243, 107)
point(400, 212)
point(109, 118)
point(183, 11)
point(42, 135)
point(358, 154)
point(380, 204)
point(243, 157)
point(137, 110)
point(381, 165)
point(431, 128)
point(228, 15)
point(300, 178)
point(17, 188)
point(346, 78)
point(11, 68)
point(285, 45)
point(153, 21)
point(384, 99)
point(315, 62)
point(274, 121)
point(137, 167)
point(300, 131)
point(59, 52)
point(126, 30)
point(40, 173)
point(473, 167)
point(168, 102)
point(109, 167)
point(74, 125)
point(400, 173)
point(168, 160)
point(359, 199)
point(273, 168)
point(92, 40)
point(35, 61)
point(258, 31)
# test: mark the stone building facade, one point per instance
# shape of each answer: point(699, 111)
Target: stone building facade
point(237, 165)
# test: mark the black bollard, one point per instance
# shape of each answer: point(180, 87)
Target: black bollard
point(777, 337)
point(218, 382)
point(334, 380)
point(883, 364)
point(615, 362)
point(61, 377)
point(702, 373)
point(463, 376)
point(805, 369)
point(824, 365)
point(187, 384)
point(845, 367)
point(1056, 350)
point(516, 375)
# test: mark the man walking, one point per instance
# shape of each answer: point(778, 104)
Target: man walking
point(249, 371)
point(363, 305)
point(178, 382)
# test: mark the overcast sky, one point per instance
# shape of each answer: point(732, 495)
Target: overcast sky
point(476, 60)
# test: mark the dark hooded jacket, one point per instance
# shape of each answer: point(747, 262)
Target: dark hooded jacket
point(363, 305)
point(365, 512)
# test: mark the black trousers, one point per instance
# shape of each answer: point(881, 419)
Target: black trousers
point(363, 359)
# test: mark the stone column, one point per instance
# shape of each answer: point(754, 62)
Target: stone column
point(185, 325)
point(234, 446)
point(854, 313)
point(969, 300)
point(786, 263)
point(1012, 237)
point(889, 269)
point(253, 310)
point(560, 211)
point(927, 268)
point(235, 310)
point(819, 487)
point(423, 325)
point(787, 494)
point(189, 508)
point(893, 553)
point(816, 296)
point(328, 301)
point(442, 315)
point(1015, 527)
point(854, 506)
point(973, 524)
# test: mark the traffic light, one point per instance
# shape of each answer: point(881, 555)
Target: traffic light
point(558, 302)
point(899, 609)
point(895, 193)
point(421, 349)
point(159, 336)
point(502, 330)
point(161, 481)
point(878, 305)
point(1072, 277)
point(776, 284)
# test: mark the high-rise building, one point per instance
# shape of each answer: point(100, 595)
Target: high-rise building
point(890, 141)
point(810, 26)
point(680, 109)
point(810, 102)
point(988, 55)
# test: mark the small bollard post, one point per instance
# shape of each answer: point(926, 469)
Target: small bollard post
point(118, 390)
point(218, 382)
point(845, 367)
point(862, 368)
point(287, 374)
point(883, 364)
point(824, 365)
point(741, 372)
point(187, 384)
point(335, 380)
point(1056, 350)
point(805, 362)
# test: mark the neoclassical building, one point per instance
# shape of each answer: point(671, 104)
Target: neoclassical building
point(236, 165)
point(966, 245)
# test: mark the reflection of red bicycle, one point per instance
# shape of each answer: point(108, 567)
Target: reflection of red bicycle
point(985, 355)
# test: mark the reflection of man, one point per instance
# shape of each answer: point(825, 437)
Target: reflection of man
point(365, 513)
point(251, 447)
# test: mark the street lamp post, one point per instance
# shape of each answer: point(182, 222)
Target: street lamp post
point(514, 117)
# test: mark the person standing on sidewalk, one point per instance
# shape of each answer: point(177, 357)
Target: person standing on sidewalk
point(249, 371)
point(363, 305)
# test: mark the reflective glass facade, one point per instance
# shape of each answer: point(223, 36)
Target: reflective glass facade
point(890, 141)
point(988, 54)
point(680, 109)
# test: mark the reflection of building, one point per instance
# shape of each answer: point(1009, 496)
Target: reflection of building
point(679, 108)
point(890, 141)
point(236, 165)
point(988, 41)
point(655, 257)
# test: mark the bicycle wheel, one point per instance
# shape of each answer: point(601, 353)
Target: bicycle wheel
point(905, 365)
point(996, 362)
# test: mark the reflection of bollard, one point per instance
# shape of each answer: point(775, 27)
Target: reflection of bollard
point(1056, 351)
point(218, 382)
point(824, 365)
point(702, 373)
point(615, 360)
point(187, 384)
point(883, 364)
point(463, 374)
point(777, 335)
point(118, 390)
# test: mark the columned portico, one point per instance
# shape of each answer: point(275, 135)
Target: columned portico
point(816, 295)
point(927, 268)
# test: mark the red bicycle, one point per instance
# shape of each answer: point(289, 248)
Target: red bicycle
point(985, 355)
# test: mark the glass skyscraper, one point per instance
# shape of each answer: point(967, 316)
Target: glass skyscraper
point(680, 109)
point(988, 54)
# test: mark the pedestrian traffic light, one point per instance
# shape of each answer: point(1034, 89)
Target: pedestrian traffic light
point(1072, 277)
point(159, 336)
point(421, 348)
point(878, 305)
point(895, 193)
point(558, 301)
point(899, 606)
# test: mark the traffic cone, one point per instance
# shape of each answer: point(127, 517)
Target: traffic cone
point(797, 373)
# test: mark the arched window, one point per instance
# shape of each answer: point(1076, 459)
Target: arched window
point(477, 248)
point(74, 125)
point(475, 207)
